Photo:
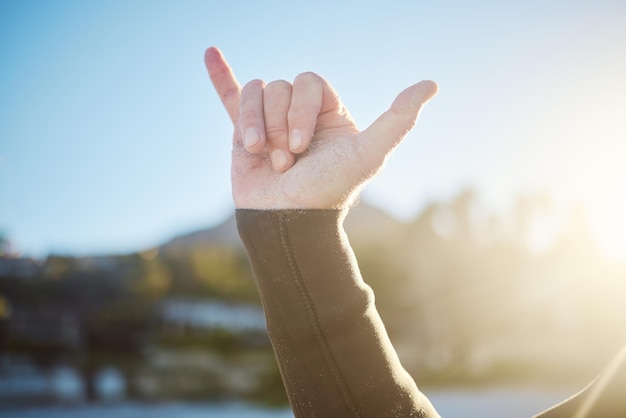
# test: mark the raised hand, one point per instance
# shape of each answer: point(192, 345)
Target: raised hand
point(295, 146)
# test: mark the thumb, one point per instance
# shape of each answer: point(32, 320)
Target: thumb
point(391, 127)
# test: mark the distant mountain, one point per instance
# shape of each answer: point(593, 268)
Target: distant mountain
point(364, 224)
point(223, 234)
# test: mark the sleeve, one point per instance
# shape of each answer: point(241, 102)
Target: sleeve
point(604, 397)
point(332, 348)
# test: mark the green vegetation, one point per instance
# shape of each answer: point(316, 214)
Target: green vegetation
point(465, 298)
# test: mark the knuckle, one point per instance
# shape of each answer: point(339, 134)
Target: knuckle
point(248, 117)
point(229, 94)
point(278, 85)
point(276, 131)
point(251, 93)
point(307, 77)
point(252, 87)
point(254, 84)
point(277, 92)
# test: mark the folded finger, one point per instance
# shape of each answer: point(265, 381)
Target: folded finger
point(306, 103)
point(251, 119)
point(276, 101)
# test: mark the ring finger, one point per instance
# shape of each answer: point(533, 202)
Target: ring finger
point(276, 102)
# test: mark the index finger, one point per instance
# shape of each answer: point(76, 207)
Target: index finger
point(224, 81)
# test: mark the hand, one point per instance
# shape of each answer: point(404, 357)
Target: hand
point(296, 146)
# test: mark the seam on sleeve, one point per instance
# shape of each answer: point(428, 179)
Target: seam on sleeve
point(286, 383)
point(313, 317)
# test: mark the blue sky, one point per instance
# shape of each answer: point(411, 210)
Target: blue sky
point(112, 139)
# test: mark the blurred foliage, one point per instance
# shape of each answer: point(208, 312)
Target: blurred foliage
point(156, 279)
point(213, 271)
point(465, 296)
point(222, 271)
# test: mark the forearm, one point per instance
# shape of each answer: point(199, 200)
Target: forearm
point(332, 348)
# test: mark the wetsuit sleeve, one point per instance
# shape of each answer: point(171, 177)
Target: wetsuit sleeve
point(332, 348)
point(605, 397)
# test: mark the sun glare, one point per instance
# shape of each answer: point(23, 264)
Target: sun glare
point(598, 170)
point(607, 212)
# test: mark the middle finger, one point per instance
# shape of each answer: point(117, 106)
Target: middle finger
point(276, 101)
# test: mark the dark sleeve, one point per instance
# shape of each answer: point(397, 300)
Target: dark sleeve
point(334, 354)
point(605, 397)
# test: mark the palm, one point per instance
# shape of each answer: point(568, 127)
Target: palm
point(322, 177)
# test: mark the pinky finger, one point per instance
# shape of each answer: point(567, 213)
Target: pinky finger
point(224, 81)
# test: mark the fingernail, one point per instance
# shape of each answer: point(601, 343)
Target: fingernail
point(295, 140)
point(279, 159)
point(251, 137)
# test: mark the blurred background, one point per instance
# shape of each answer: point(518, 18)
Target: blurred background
point(494, 239)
